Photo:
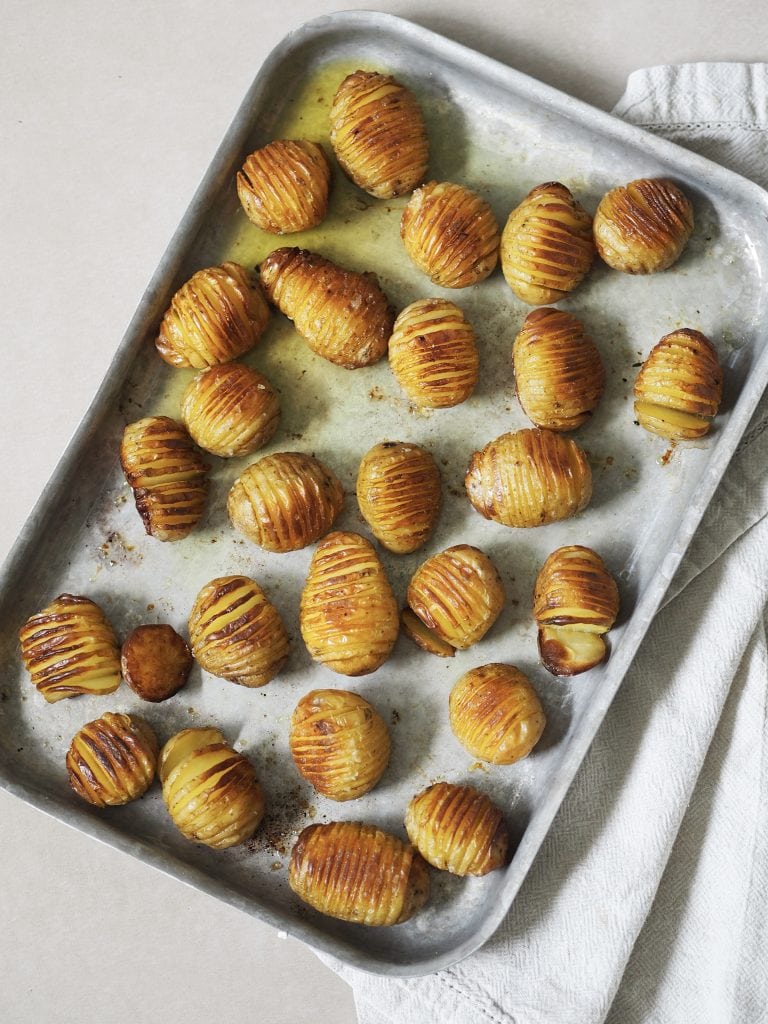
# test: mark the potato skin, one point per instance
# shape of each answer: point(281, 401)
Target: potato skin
point(283, 187)
point(357, 872)
point(69, 648)
point(496, 714)
point(679, 387)
point(211, 792)
point(343, 316)
point(546, 245)
point(112, 760)
point(398, 491)
point(339, 743)
point(559, 376)
point(575, 601)
point(528, 478)
point(433, 354)
point(457, 829)
point(167, 475)
point(236, 634)
point(457, 594)
point(378, 134)
point(218, 315)
point(155, 662)
point(451, 234)
point(348, 613)
point(643, 227)
point(230, 410)
point(285, 501)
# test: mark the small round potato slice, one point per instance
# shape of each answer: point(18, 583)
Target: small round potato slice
point(155, 662)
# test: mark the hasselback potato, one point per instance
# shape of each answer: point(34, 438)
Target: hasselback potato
point(643, 227)
point(575, 601)
point(230, 410)
point(348, 614)
point(559, 376)
point(357, 872)
point(546, 245)
point(285, 501)
point(218, 315)
point(378, 134)
point(236, 633)
point(451, 234)
point(398, 490)
point(211, 792)
point(342, 315)
point(457, 829)
point(679, 387)
point(496, 714)
point(457, 595)
point(339, 743)
point(167, 475)
point(283, 187)
point(529, 478)
point(69, 648)
point(112, 760)
point(433, 354)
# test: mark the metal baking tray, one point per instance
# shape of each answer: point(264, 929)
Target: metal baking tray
point(502, 133)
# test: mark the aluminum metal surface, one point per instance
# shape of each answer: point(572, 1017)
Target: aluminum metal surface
point(501, 133)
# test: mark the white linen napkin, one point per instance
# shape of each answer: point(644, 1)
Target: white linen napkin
point(649, 899)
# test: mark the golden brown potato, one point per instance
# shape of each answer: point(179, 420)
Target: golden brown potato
point(235, 632)
point(679, 387)
point(218, 315)
point(285, 501)
point(343, 316)
point(643, 227)
point(398, 490)
point(378, 134)
point(575, 601)
point(559, 375)
point(167, 475)
point(423, 637)
point(230, 410)
point(155, 662)
point(529, 478)
point(457, 595)
point(457, 829)
point(212, 793)
point(546, 245)
point(358, 873)
point(433, 355)
point(283, 187)
point(112, 760)
point(451, 235)
point(495, 714)
point(339, 743)
point(348, 614)
point(69, 648)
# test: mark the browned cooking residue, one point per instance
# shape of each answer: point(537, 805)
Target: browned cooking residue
point(116, 551)
point(664, 459)
point(285, 817)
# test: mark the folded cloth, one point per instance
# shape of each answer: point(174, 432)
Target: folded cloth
point(647, 902)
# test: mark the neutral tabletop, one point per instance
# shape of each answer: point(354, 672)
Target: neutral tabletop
point(109, 115)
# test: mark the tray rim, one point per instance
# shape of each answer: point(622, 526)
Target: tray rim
point(151, 306)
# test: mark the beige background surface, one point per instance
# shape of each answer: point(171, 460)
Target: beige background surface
point(109, 115)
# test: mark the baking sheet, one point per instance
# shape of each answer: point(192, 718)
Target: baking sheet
point(500, 133)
